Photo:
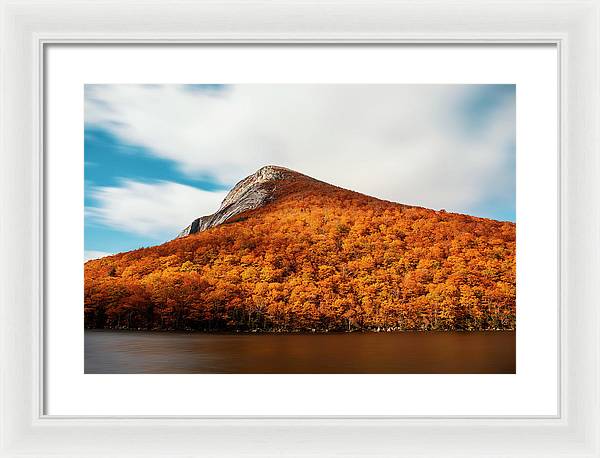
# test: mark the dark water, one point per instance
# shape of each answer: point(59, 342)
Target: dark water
point(130, 352)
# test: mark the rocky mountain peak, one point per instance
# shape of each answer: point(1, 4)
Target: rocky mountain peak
point(252, 192)
point(262, 176)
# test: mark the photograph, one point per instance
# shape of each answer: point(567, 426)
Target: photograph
point(299, 229)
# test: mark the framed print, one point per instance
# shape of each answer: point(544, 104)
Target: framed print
point(290, 229)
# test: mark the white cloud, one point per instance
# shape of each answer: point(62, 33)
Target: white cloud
point(404, 143)
point(94, 254)
point(159, 210)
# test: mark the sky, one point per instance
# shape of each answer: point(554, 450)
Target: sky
point(159, 156)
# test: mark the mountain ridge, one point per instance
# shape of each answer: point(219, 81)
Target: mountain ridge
point(256, 190)
point(249, 193)
point(307, 255)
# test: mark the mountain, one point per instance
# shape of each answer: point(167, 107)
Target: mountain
point(252, 192)
point(287, 252)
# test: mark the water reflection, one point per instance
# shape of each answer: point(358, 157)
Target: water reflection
point(120, 352)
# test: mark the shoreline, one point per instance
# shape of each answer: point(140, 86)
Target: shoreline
point(358, 331)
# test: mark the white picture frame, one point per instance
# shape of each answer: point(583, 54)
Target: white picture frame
point(27, 27)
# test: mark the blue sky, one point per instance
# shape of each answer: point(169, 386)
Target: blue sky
point(158, 156)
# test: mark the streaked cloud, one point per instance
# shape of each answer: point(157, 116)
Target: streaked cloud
point(153, 209)
point(413, 144)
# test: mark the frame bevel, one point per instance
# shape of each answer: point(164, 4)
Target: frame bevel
point(27, 27)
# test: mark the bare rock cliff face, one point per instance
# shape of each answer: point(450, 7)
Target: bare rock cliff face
point(252, 192)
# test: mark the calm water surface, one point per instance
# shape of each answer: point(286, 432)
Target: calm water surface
point(133, 352)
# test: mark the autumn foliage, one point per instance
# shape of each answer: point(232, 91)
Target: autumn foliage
point(316, 258)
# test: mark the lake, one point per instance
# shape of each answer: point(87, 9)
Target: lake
point(138, 352)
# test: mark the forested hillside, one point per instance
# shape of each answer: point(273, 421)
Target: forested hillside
point(315, 257)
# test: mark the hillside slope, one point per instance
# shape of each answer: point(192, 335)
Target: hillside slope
point(292, 253)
